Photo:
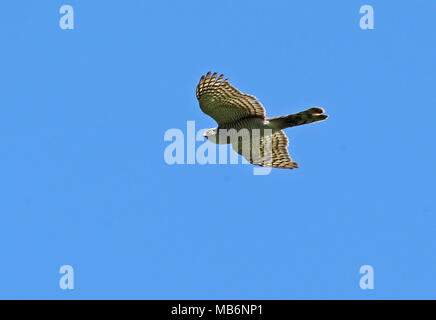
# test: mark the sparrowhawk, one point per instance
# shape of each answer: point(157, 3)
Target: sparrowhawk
point(236, 112)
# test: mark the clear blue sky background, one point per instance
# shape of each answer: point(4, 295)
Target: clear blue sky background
point(83, 180)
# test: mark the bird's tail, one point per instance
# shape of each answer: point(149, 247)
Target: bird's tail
point(297, 119)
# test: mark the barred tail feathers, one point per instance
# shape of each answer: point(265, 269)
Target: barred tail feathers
point(298, 119)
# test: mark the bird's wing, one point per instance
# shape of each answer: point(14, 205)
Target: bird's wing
point(223, 102)
point(271, 152)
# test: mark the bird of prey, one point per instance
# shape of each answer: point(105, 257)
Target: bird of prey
point(235, 111)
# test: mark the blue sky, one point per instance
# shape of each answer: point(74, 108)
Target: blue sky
point(83, 181)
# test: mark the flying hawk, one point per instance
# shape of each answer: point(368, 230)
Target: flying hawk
point(236, 112)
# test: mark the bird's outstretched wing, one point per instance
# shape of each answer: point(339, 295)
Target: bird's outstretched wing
point(271, 152)
point(223, 102)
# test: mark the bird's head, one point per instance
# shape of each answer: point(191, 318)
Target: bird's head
point(211, 134)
